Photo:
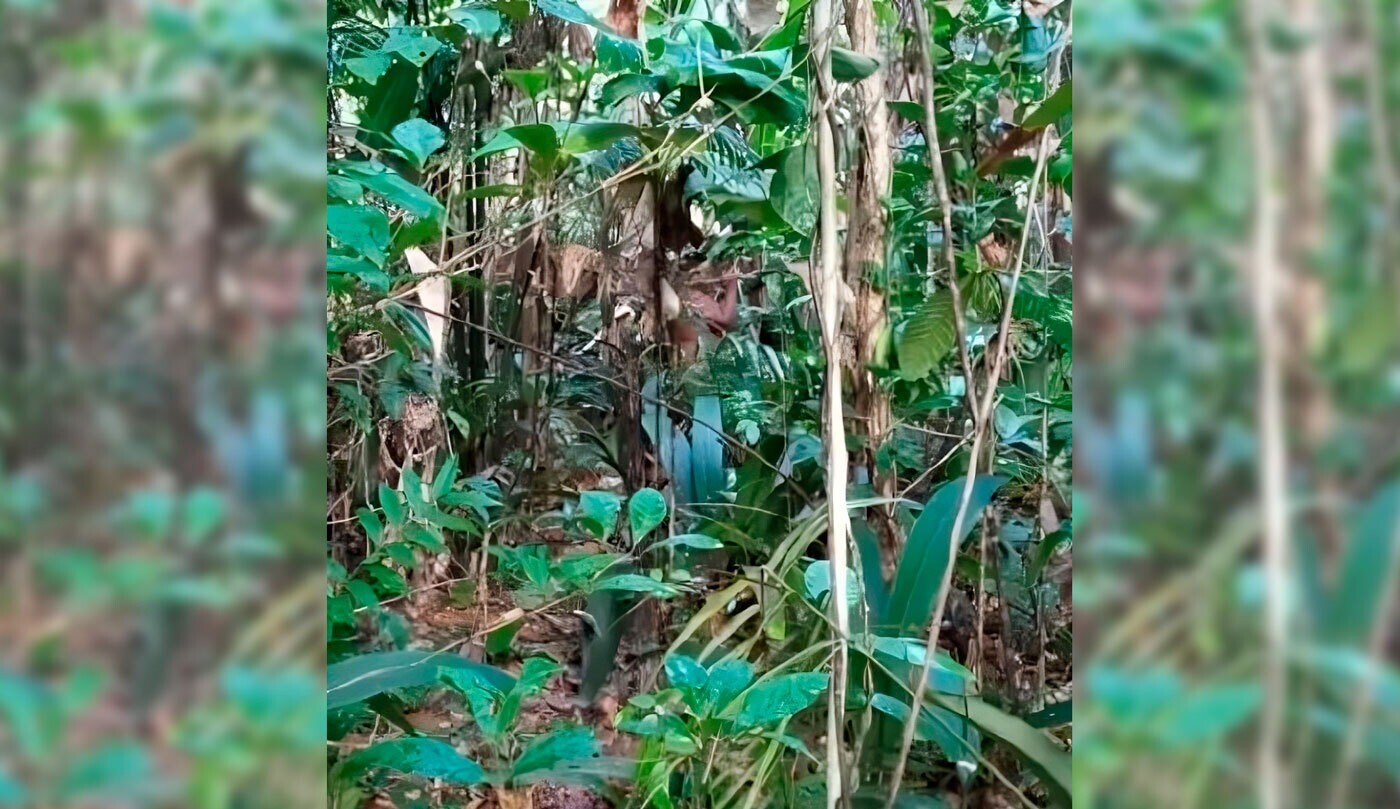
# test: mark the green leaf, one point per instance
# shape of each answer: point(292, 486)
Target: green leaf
point(390, 185)
point(374, 527)
point(700, 542)
point(532, 82)
point(780, 697)
point(425, 758)
point(1368, 561)
point(684, 673)
point(945, 675)
point(1053, 715)
point(445, 478)
point(392, 504)
point(593, 137)
point(598, 512)
point(849, 66)
point(392, 100)
point(412, 486)
point(816, 582)
point(413, 46)
point(645, 511)
point(424, 537)
point(631, 84)
point(953, 734)
point(359, 678)
point(363, 594)
point(479, 21)
point(569, 12)
point(726, 682)
point(361, 228)
point(370, 67)
point(928, 336)
point(637, 583)
point(793, 191)
point(707, 450)
point(419, 138)
point(616, 54)
point(927, 552)
point(1201, 715)
point(1041, 752)
point(12, 792)
point(1057, 106)
point(548, 751)
point(539, 139)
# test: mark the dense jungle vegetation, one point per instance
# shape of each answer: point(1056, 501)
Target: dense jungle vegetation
point(699, 403)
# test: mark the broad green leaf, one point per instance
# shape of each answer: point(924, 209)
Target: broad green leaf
point(338, 266)
point(392, 100)
point(370, 67)
point(425, 758)
point(392, 186)
point(849, 66)
point(616, 54)
point(538, 139)
point(683, 672)
point(569, 11)
point(374, 527)
point(645, 511)
point(392, 504)
point(424, 537)
point(1363, 571)
point(532, 82)
point(1041, 752)
point(592, 137)
point(598, 513)
point(637, 583)
point(699, 542)
point(547, 751)
point(816, 582)
point(344, 188)
point(927, 553)
point(419, 138)
point(359, 678)
point(362, 228)
point(1050, 111)
point(445, 478)
point(727, 681)
point(945, 675)
point(928, 336)
point(793, 191)
point(707, 450)
point(12, 792)
point(629, 85)
point(780, 697)
point(953, 734)
point(412, 45)
point(481, 22)
point(1203, 714)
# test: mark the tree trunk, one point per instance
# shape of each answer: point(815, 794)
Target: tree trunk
point(864, 265)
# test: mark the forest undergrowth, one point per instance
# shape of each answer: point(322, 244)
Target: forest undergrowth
point(680, 403)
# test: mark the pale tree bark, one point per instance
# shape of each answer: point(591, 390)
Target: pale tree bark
point(1265, 276)
point(828, 298)
point(867, 227)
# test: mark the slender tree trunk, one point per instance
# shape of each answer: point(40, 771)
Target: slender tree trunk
point(829, 303)
point(865, 261)
point(1265, 271)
